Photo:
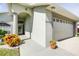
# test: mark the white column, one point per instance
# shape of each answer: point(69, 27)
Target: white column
point(76, 30)
point(15, 23)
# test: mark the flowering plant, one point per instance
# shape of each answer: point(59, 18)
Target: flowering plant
point(53, 44)
point(11, 39)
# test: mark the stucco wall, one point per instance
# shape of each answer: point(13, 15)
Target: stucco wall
point(49, 28)
point(29, 20)
point(38, 32)
point(43, 31)
point(28, 26)
point(18, 8)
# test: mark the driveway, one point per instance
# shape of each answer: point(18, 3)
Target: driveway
point(71, 45)
point(31, 48)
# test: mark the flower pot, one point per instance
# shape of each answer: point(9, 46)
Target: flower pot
point(54, 46)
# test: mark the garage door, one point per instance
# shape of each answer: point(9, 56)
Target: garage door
point(62, 28)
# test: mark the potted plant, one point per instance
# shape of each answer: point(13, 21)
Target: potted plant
point(53, 44)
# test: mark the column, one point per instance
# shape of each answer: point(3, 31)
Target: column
point(15, 23)
point(76, 30)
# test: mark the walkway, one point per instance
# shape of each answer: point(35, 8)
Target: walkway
point(31, 48)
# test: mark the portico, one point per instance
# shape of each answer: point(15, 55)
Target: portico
point(22, 21)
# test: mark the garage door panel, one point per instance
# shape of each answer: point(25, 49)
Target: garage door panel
point(63, 30)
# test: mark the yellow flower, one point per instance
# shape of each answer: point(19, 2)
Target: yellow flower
point(12, 39)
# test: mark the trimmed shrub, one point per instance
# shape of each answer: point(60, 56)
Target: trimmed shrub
point(11, 39)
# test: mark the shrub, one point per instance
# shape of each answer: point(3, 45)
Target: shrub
point(11, 40)
point(2, 32)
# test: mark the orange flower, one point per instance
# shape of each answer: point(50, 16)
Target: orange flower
point(12, 39)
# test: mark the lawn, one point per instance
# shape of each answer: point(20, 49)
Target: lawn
point(9, 52)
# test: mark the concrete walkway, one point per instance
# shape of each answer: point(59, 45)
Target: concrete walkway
point(71, 45)
point(31, 48)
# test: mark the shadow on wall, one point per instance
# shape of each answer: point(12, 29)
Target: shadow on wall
point(28, 26)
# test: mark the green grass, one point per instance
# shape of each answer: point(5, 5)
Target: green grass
point(9, 52)
point(1, 43)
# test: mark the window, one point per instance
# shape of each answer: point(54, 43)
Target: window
point(66, 21)
point(21, 28)
point(71, 22)
point(61, 21)
point(53, 19)
point(57, 20)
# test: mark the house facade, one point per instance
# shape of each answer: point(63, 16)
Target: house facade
point(40, 22)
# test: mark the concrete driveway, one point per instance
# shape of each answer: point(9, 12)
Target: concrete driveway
point(71, 45)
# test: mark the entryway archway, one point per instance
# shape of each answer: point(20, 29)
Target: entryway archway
point(21, 22)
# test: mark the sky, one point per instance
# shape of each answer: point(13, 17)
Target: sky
point(3, 7)
point(71, 7)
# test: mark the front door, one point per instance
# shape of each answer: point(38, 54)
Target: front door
point(20, 28)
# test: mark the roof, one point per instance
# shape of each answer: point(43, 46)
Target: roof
point(58, 9)
point(62, 11)
point(4, 24)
